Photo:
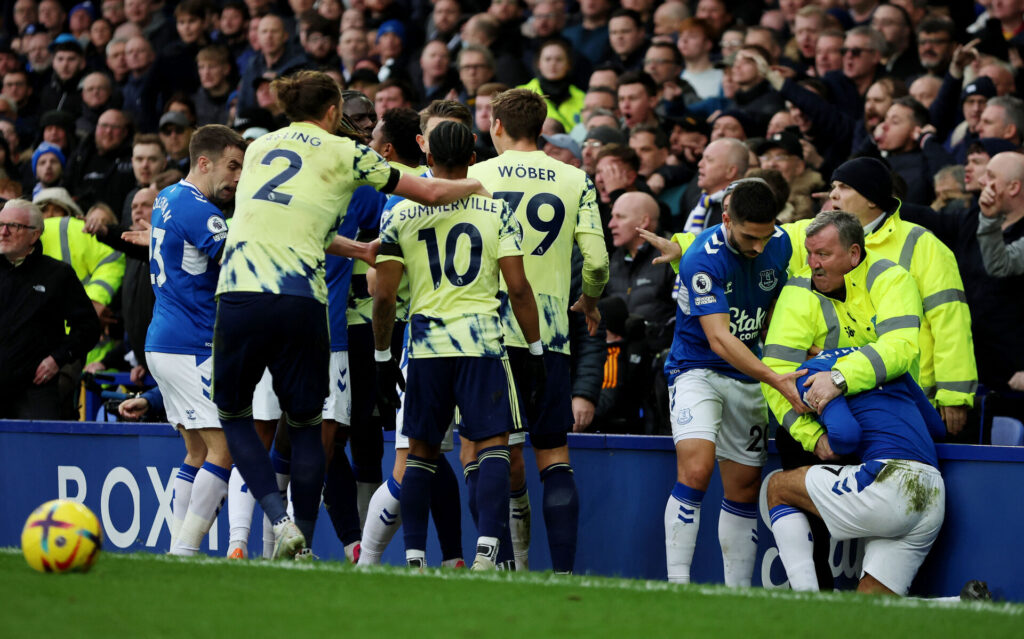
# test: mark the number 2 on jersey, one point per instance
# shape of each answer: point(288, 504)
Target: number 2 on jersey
point(476, 245)
point(267, 191)
point(549, 227)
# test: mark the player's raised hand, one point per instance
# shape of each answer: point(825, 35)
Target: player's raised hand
point(536, 382)
point(588, 306)
point(670, 251)
point(786, 385)
point(140, 237)
point(389, 379)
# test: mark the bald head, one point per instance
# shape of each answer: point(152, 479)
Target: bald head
point(142, 206)
point(631, 211)
point(724, 160)
point(1003, 185)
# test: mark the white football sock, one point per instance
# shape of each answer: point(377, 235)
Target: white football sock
point(182, 494)
point(268, 538)
point(682, 521)
point(793, 536)
point(737, 534)
point(364, 493)
point(382, 522)
point(208, 494)
point(240, 508)
point(519, 527)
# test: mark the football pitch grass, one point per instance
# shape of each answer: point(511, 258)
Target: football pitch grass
point(144, 595)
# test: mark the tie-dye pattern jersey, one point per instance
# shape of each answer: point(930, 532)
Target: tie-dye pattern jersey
point(295, 188)
point(554, 202)
point(451, 254)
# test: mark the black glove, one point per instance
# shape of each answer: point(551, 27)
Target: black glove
point(536, 378)
point(389, 376)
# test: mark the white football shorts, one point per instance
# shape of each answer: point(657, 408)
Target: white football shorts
point(184, 382)
point(265, 406)
point(338, 405)
point(896, 506)
point(705, 404)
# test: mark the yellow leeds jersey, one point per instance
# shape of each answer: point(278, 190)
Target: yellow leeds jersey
point(556, 204)
point(451, 256)
point(295, 188)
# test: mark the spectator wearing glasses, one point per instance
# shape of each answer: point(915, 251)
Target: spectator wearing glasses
point(862, 55)
point(175, 133)
point(476, 68)
point(38, 296)
point(935, 44)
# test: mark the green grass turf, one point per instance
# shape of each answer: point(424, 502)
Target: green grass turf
point(146, 595)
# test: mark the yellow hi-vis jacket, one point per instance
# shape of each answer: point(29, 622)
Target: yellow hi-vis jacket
point(881, 314)
point(949, 374)
point(99, 267)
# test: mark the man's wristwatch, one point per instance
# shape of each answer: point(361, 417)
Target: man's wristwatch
point(839, 381)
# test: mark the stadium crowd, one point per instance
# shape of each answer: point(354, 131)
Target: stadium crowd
point(904, 115)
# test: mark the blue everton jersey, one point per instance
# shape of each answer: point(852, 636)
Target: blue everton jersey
point(185, 242)
point(893, 421)
point(363, 213)
point(715, 278)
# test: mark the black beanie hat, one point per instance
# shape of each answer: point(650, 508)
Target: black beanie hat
point(613, 310)
point(869, 177)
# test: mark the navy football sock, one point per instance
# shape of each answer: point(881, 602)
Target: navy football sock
point(250, 457)
point(472, 473)
point(447, 510)
point(340, 497)
point(307, 472)
point(492, 492)
point(561, 515)
point(415, 500)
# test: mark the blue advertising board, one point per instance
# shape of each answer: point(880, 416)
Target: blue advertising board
point(124, 473)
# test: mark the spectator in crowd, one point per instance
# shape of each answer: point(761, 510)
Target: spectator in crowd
point(617, 172)
point(597, 138)
point(61, 91)
point(554, 82)
point(950, 189)
point(1003, 118)
point(626, 38)
point(666, 181)
point(47, 316)
point(93, 172)
point(589, 32)
point(736, 124)
point(828, 54)
point(724, 160)
point(563, 148)
point(117, 61)
point(862, 54)
point(754, 94)
point(925, 89)
point(175, 133)
point(140, 90)
point(17, 86)
point(213, 64)
point(935, 44)
point(444, 23)
point(783, 152)
point(668, 18)
point(276, 54)
point(717, 15)
point(233, 30)
point(808, 24)
point(646, 287)
point(352, 47)
point(1002, 206)
point(175, 65)
point(627, 371)
point(995, 303)
point(48, 164)
point(476, 68)
point(914, 156)
point(688, 136)
point(97, 97)
point(900, 57)
point(484, 30)
point(978, 155)
point(696, 39)
point(436, 79)
point(547, 20)
point(482, 119)
point(321, 42)
point(637, 99)
point(392, 94)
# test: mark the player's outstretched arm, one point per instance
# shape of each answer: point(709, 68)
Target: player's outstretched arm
point(731, 349)
point(345, 247)
point(436, 191)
